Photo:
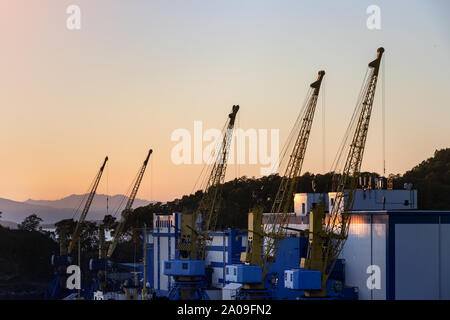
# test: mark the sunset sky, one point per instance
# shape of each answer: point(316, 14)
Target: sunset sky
point(138, 70)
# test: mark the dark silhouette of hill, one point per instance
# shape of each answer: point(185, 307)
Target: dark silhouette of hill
point(51, 211)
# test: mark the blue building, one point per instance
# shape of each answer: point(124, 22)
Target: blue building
point(160, 243)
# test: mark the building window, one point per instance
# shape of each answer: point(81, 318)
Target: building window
point(234, 271)
point(227, 271)
point(168, 265)
point(332, 202)
point(184, 266)
point(303, 208)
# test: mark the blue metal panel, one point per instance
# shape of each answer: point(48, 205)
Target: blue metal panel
point(249, 274)
point(169, 240)
point(307, 279)
point(338, 272)
point(242, 273)
point(390, 260)
point(288, 257)
point(158, 262)
point(215, 248)
point(215, 264)
point(63, 260)
point(184, 268)
point(99, 264)
point(150, 267)
point(163, 234)
point(301, 279)
point(177, 232)
point(226, 248)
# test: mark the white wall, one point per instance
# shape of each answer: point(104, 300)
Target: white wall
point(306, 200)
point(373, 199)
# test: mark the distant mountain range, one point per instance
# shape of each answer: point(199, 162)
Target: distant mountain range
point(51, 211)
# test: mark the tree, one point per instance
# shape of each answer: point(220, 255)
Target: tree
point(30, 223)
point(431, 178)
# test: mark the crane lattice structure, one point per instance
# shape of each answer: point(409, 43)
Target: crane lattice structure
point(127, 210)
point(87, 205)
point(210, 202)
point(190, 284)
point(327, 238)
point(283, 204)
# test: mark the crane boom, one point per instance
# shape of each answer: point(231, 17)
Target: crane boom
point(210, 202)
point(327, 243)
point(193, 238)
point(283, 199)
point(85, 211)
point(126, 211)
point(282, 206)
point(196, 228)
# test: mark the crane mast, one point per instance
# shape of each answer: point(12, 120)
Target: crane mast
point(189, 270)
point(128, 206)
point(326, 240)
point(210, 202)
point(76, 233)
point(283, 204)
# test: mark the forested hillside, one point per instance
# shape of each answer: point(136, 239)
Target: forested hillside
point(431, 178)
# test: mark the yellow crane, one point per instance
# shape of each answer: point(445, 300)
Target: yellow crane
point(103, 263)
point(193, 239)
point(328, 233)
point(189, 271)
point(64, 259)
point(282, 207)
point(87, 205)
point(284, 200)
point(127, 210)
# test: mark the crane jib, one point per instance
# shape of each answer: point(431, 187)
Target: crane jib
point(283, 202)
point(326, 246)
point(128, 206)
point(87, 205)
point(210, 202)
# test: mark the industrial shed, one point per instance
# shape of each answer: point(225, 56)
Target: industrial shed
point(411, 249)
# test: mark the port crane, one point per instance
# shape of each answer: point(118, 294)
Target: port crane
point(103, 262)
point(269, 238)
point(189, 271)
point(210, 202)
point(64, 259)
point(127, 210)
point(77, 231)
point(328, 233)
